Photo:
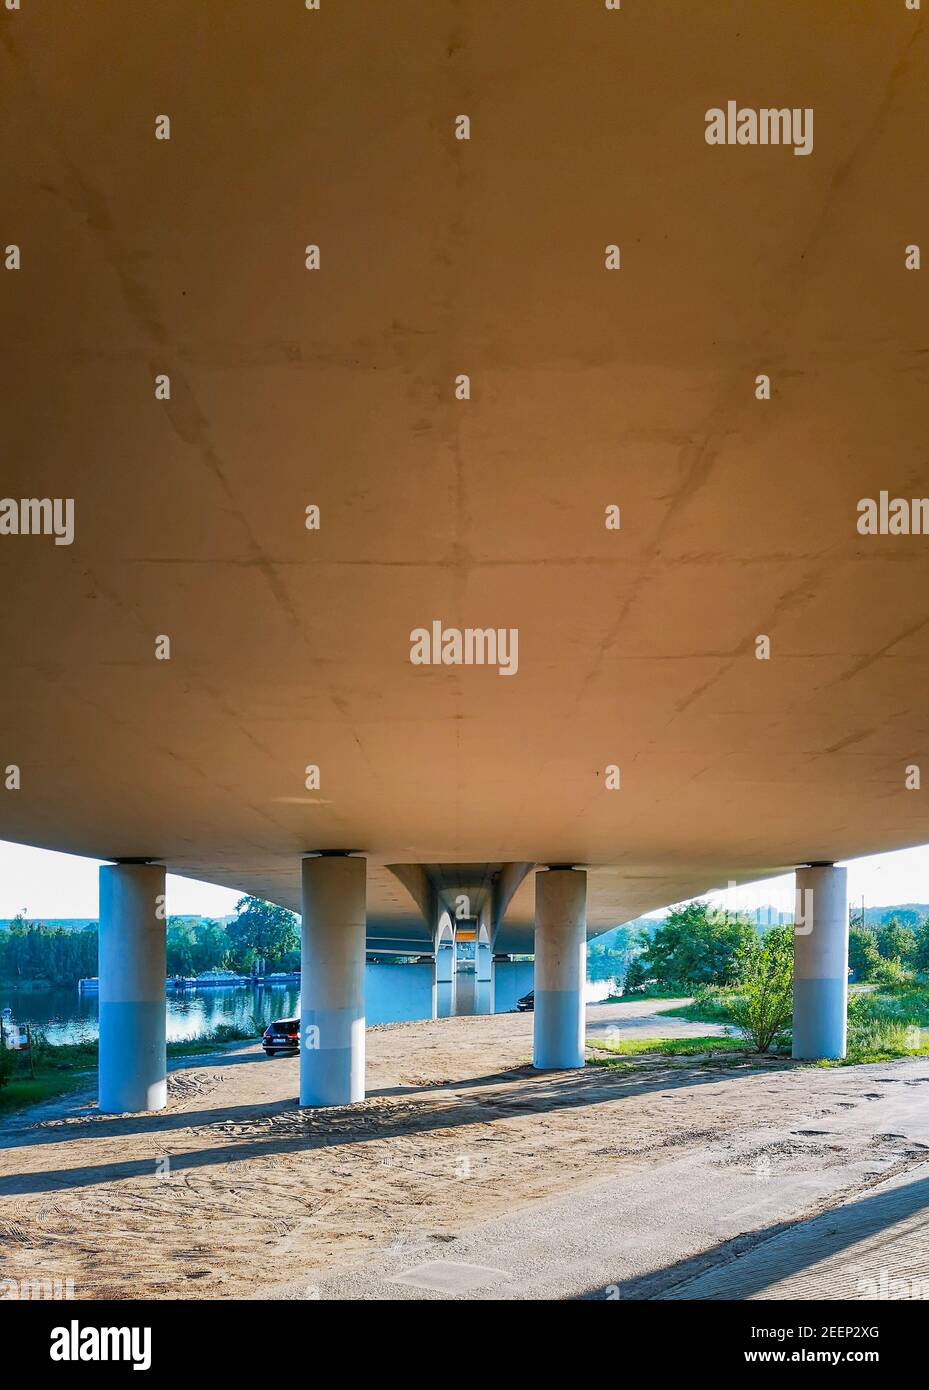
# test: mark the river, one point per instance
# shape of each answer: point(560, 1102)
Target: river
point(393, 994)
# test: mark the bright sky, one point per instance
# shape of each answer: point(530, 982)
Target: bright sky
point(882, 879)
point(47, 884)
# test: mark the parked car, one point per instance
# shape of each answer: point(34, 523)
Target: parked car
point(281, 1036)
point(527, 1003)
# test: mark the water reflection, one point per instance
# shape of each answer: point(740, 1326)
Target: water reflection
point(393, 994)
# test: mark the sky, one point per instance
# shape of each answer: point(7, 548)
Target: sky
point(881, 879)
point(47, 884)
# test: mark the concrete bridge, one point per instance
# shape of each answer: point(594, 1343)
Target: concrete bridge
point(303, 364)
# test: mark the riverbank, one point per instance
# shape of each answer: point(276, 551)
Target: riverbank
point(233, 1191)
point(60, 1069)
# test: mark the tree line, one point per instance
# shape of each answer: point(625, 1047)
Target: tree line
point(700, 945)
point(260, 932)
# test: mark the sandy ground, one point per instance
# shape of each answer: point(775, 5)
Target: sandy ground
point(233, 1191)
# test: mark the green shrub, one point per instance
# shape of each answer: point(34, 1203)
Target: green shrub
point(762, 1009)
point(921, 958)
point(894, 974)
point(863, 956)
point(897, 942)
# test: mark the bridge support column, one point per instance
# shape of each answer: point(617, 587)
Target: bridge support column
point(560, 968)
point(132, 1067)
point(820, 962)
point(445, 962)
point(332, 963)
point(483, 977)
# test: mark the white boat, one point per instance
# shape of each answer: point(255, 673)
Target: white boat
point(220, 977)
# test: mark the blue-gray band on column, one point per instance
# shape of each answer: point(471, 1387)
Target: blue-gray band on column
point(819, 1018)
point(332, 1056)
point(334, 1026)
point(558, 1029)
point(132, 1056)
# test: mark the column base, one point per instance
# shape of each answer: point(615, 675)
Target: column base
point(133, 1061)
point(333, 1074)
point(819, 1026)
point(556, 1025)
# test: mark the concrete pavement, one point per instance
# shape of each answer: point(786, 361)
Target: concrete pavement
point(811, 1209)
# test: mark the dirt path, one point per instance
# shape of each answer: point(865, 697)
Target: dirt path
point(233, 1190)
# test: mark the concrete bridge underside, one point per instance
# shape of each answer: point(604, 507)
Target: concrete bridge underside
point(590, 388)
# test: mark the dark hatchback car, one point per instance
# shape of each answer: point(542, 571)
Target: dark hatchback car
point(527, 1003)
point(281, 1036)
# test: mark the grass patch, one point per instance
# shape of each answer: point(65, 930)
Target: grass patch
point(58, 1070)
point(885, 1022)
point(666, 1047)
point(223, 1033)
point(643, 994)
point(61, 1068)
point(23, 1091)
point(708, 1006)
point(612, 1064)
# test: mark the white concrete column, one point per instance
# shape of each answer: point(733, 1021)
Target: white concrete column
point(332, 978)
point(483, 952)
point(444, 967)
point(483, 968)
point(435, 990)
point(560, 968)
point(820, 962)
point(444, 1000)
point(484, 978)
point(445, 962)
point(132, 1001)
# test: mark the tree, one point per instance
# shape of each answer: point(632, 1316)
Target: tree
point(211, 946)
point(863, 955)
point(762, 1008)
point(904, 916)
point(195, 946)
point(261, 931)
point(608, 957)
point(33, 951)
point(921, 959)
point(697, 945)
point(180, 947)
point(636, 977)
point(897, 942)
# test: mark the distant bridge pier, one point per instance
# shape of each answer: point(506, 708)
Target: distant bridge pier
point(444, 969)
point(560, 968)
point(446, 951)
point(446, 963)
point(484, 964)
point(820, 962)
point(332, 957)
point(132, 1066)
